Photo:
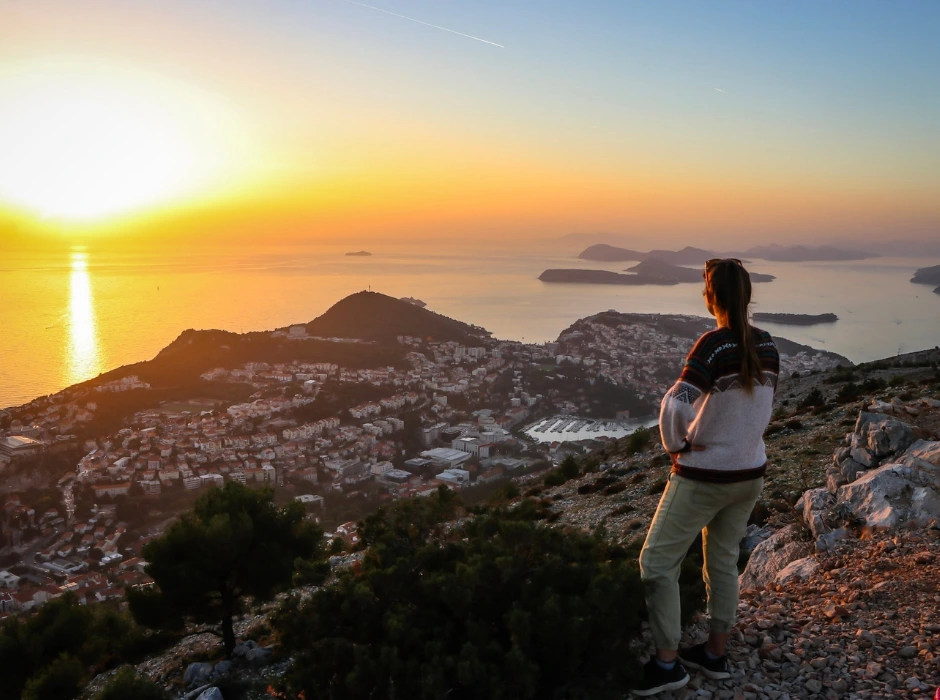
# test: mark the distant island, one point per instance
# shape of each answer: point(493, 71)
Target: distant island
point(609, 253)
point(359, 254)
point(795, 319)
point(654, 268)
point(574, 276)
point(648, 272)
point(697, 256)
point(802, 253)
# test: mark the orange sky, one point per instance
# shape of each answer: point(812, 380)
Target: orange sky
point(279, 122)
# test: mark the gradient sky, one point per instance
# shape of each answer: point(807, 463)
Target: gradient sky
point(324, 119)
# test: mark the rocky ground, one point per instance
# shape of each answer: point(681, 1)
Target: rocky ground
point(864, 625)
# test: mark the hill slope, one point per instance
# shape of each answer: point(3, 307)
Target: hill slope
point(377, 317)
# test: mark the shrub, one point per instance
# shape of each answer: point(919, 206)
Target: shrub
point(813, 398)
point(126, 685)
point(638, 441)
point(565, 472)
point(848, 392)
point(60, 680)
point(623, 509)
point(495, 607)
point(614, 489)
point(584, 489)
point(793, 424)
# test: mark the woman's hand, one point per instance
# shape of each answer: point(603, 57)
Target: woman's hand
point(689, 447)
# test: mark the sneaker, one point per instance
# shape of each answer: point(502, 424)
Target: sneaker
point(695, 657)
point(657, 679)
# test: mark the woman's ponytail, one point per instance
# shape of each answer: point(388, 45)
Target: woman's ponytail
point(729, 285)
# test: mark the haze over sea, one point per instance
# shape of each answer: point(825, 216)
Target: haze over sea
point(69, 316)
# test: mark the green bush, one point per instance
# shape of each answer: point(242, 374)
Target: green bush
point(60, 680)
point(638, 441)
point(813, 398)
point(495, 607)
point(126, 685)
point(566, 471)
point(38, 651)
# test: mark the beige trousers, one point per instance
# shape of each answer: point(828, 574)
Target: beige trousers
point(720, 512)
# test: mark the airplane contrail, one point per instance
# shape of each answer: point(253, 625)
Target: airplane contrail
point(426, 24)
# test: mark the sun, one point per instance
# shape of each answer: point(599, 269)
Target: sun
point(83, 147)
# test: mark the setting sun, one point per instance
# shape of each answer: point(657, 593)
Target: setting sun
point(86, 147)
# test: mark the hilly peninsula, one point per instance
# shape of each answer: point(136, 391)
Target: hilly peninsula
point(928, 275)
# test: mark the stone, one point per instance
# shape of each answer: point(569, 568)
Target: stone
point(907, 652)
point(834, 479)
point(827, 541)
point(240, 651)
point(850, 469)
point(889, 437)
point(863, 457)
point(905, 491)
point(813, 686)
point(222, 669)
point(197, 674)
point(772, 555)
point(754, 536)
point(212, 693)
point(798, 570)
point(259, 656)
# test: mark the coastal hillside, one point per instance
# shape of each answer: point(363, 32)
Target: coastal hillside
point(837, 601)
point(377, 317)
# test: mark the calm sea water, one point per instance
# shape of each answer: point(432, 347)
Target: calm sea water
point(69, 316)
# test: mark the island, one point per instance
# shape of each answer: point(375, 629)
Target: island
point(802, 253)
point(795, 319)
point(654, 268)
point(652, 271)
point(697, 256)
point(569, 276)
point(359, 254)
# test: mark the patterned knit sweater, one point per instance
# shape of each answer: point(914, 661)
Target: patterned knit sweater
point(713, 427)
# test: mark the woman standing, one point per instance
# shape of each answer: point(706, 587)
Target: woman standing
point(712, 423)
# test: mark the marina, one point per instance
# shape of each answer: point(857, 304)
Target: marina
point(564, 428)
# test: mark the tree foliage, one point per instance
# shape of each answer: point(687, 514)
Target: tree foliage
point(39, 655)
point(127, 685)
point(493, 606)
point(234, 543)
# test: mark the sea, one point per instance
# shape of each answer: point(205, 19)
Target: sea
point(69, 315)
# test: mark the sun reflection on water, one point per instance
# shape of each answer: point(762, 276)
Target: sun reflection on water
point(84, 360)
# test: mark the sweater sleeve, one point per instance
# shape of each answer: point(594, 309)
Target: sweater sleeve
point(677, 411)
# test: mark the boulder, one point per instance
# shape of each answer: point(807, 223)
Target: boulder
point(798, 570)
point(815, 504)
point(211, 694)
point(850, 469)
point(863, 456)
point(903, 491)
point(834, 479)
point(197, 674)
point(222, 669)
point(772, 555)
point(754, 536)
point(241, 651)
point(260, 656)
point(882, 435)
point(827, 542)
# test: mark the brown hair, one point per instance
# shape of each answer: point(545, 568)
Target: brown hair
point(728, 291)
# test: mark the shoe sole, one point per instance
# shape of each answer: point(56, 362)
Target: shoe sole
point(712, 675)
point(675, 685)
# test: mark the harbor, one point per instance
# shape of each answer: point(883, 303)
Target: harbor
point(566, 428)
